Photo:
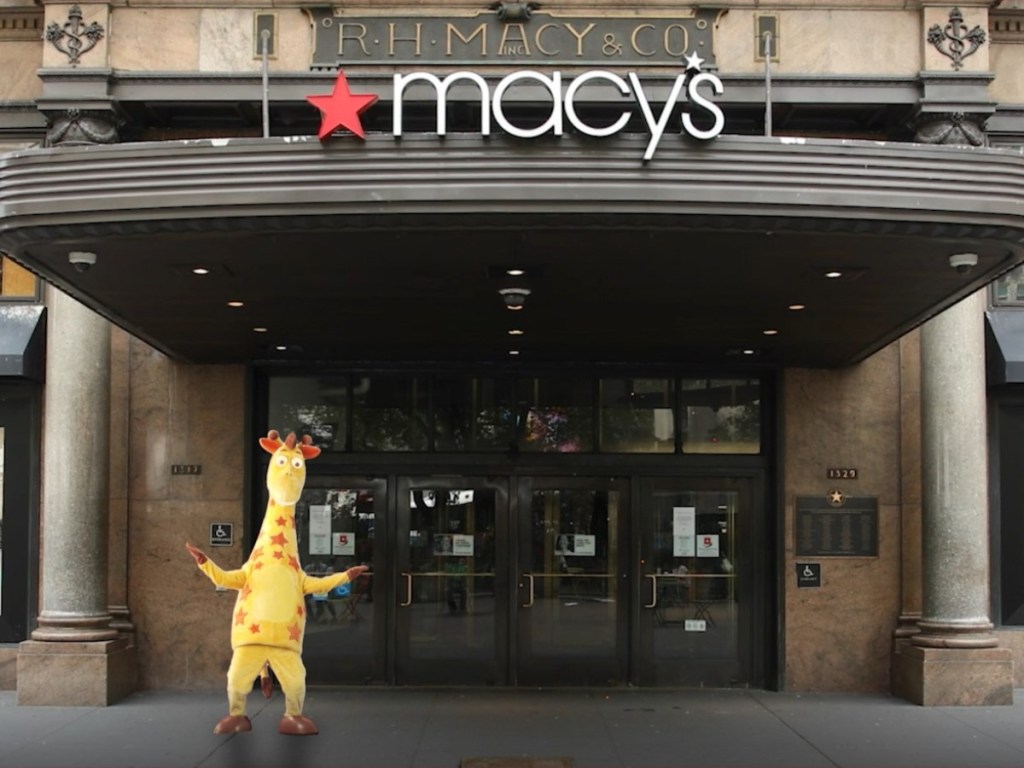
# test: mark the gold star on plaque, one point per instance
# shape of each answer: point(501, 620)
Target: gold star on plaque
point(836, 497)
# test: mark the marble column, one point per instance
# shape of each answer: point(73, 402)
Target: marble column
point(954, 659)
point(74, 656)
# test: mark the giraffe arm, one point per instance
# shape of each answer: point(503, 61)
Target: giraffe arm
point(317, 584)
point(227, 579)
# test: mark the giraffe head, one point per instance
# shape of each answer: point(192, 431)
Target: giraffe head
point(286, 474)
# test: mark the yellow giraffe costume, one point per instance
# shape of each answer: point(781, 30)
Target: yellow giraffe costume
point(270, 612)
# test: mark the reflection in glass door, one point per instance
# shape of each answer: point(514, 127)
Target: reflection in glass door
point(340, 524)
point(696, 605)
point(452, 588)
point(573, 587)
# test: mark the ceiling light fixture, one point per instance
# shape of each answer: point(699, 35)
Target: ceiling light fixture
point(514, 298)
point(236, 304)
point(832, 275)
point(513, 352)
point(516, 331)
point(797, 307)
point(259, 329)
point(770, 332)
point(515, 272)
point(200, 271)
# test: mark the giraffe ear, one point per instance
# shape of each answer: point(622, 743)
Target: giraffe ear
point(309, 451)
point(270, 443)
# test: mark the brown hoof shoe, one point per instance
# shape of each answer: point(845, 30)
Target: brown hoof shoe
point(233, 724)
point(297, 725)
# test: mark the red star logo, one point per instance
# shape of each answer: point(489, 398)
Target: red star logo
point(257, 566)
point(301, 610)
point(246, 591)
point(279, 539)
point(240, 617)
point(294, 632)
point(256, 553)
point(254, 628)
point(281, 520)
point(293, 562)
point(278, 554)
point(342, 108)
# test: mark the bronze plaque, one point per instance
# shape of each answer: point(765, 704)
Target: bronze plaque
point(827, 528)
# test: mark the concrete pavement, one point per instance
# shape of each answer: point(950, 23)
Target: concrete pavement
point(523, 728)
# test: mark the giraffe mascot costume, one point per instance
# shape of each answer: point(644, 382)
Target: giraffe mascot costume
point(270, 612)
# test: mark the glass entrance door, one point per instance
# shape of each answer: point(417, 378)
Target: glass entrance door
point(453, 587)
point(695, 595)
point(573, 582)
point(339, 523)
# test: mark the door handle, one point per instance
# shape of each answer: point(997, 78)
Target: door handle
point(654, 591)
point(529, 577)
point(408, 590)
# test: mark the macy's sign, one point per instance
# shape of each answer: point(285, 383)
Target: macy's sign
point(341, 109)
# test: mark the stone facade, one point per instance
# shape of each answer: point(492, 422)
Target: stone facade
point(840, 637)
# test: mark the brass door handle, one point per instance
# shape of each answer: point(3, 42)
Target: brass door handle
point(529, 576)
point(408, 590)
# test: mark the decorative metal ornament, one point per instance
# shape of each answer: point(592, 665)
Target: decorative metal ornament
point(514, 11)
point(77, 127)
point(74, 38)
point(953, 41)
point(955, 128)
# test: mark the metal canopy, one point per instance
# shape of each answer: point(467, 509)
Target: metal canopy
point(22, 341)
point(388, 250)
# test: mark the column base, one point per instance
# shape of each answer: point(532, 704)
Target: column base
point(73, 674)
point(952, 677)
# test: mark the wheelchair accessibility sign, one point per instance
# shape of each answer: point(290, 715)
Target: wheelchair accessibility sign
point(222, 534)
point(808, 574)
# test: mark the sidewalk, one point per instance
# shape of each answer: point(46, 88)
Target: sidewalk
point(416, 728)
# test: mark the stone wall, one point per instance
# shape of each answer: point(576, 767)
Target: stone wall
point(179, 414)
point(839, 636)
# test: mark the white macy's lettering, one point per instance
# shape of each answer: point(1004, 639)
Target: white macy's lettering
point(563, 104)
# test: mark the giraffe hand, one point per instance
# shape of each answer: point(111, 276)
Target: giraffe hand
point(356, 571)
point(197, 554)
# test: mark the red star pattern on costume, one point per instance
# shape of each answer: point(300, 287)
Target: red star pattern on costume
point(281, 520)
point(301, 610)
point(246, 591)
point(278, 539)
point(240, 617)
point(294, 632)
point(254, 628)
point(341, 109)
point(293, 562)
point(278, 554)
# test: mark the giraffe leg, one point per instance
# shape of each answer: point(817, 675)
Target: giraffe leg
point(292, 675)
point(246, 663)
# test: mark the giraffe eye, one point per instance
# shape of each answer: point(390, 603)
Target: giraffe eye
point(281, 461)
point(297, 462)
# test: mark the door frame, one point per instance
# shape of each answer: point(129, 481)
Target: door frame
point(558, 670)
point(756, 570)
point(458, 669)
point(751, 571)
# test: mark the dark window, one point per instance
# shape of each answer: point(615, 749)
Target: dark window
point(1011, 515)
